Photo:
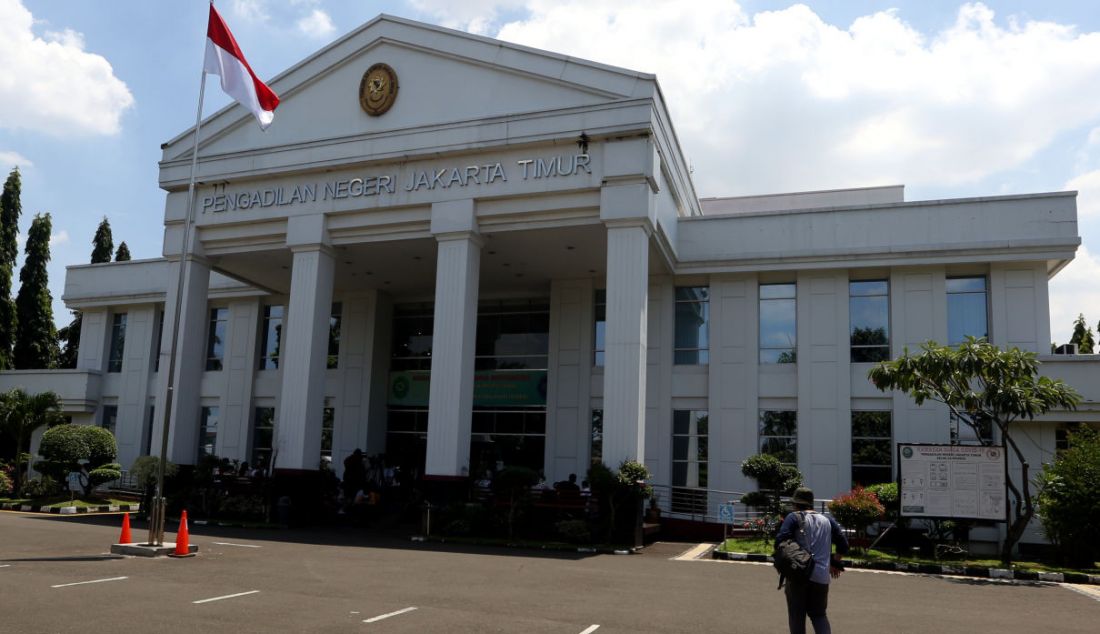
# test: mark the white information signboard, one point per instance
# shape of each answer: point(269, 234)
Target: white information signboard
point(952, 481)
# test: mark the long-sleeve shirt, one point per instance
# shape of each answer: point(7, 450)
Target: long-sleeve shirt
point(822, 532)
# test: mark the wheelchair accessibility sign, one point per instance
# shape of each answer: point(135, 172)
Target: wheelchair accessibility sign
point(725, 513)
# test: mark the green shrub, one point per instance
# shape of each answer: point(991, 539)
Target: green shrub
point(512, 484)
point(574, 531)
point(64, 447)
point(144, 470)
point(856, 509)
point(1069, 500)
point(41, 487)
point(774, 478)
point(104, 474)
point(5, 484)
point(887, 494)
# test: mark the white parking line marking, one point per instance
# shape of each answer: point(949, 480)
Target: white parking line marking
point(237, 545)
point(591, 628)
point(386, 616)
point(5, 565)
point(80, 583)
point(228, 596)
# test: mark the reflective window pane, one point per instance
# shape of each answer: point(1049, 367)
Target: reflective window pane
point(966, 316)
point(691, 326)
point(778, 323)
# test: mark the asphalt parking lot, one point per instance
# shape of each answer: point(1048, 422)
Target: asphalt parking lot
point(55, 577)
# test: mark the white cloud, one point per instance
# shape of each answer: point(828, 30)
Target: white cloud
point(59, 238)
point(1075, 291)
point(251, 10)
point(317, 24)
point(781, 100)
point(1087, 186)
point(9, 160)
point(51, 84)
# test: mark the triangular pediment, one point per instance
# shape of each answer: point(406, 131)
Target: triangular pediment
point(445, 78)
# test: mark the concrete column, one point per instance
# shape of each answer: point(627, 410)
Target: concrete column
point(450, 399)
point(625, 366)
point(190, 360)
point(303, 359)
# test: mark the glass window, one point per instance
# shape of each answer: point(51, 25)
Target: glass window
point(512, 335)
point(215, 338)
point(110, 418)
point(689, 461)
point(965, 433)
point(412, 337)
point(328, 423)
point(507, 437)
point(778, 321)
point(779, 435)
point(966, 309)
point(600, 339)
point(869, 319)
point(208, 431)
point(872, 448)
point(334, 335)
point(118, 342)
point(151, 425)
point(692, 320)
point(263, 437)
point(595, 451)
point(272, 337)
point(157, 341)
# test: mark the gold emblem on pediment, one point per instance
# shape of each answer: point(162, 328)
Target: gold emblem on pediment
point(378, 89)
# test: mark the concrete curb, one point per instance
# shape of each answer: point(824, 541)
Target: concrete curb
point(71, 510)
point(940, 569)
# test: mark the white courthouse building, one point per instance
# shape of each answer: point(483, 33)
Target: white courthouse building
point(483, 254)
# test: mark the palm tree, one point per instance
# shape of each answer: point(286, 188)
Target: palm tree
point(21, 414)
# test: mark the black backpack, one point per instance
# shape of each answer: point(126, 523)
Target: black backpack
point(790, 559)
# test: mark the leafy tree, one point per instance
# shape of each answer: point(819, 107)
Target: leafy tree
point(103, 245)
point(123, 253)
point(64, 446)
point(20, 415)
point(1069, 499)
point(513, 485)
point(68, 341)
point(1082, 336)
point(36, 336)
point(10, 209)
point(775, 480)
point(980, 382)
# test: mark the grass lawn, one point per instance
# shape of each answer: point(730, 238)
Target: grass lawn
point(63, 500)
point(758, 546)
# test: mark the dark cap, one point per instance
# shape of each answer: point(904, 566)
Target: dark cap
point(803, 496)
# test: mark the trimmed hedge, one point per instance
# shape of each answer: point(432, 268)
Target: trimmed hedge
point(64, 446)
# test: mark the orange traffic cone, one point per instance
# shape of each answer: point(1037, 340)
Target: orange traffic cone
point(183, 548)
point(125, 538)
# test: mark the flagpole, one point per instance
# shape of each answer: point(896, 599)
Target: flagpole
point(157, 517)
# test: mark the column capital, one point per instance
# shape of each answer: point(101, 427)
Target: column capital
point(476, 238)
point(452, 216)
point(313, 248)
point(627, 223)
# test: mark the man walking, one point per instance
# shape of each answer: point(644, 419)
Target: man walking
point(811, 598)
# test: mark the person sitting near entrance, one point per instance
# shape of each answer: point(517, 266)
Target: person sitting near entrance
point(569, 485)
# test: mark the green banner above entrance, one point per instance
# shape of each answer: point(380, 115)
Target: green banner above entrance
point(492, 388)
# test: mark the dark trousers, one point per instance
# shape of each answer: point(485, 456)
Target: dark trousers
point(810, 599)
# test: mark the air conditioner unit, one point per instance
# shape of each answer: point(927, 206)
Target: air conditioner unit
point(1066, 348)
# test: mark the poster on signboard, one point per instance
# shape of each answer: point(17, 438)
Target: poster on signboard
point(952, 481)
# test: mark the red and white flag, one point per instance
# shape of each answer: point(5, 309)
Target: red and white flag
point(224, 59)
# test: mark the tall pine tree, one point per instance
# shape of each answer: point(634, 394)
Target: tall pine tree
point(36, 337)
point(10, 209)
point(103, 247)
point(123, 253)
point(1082, 336)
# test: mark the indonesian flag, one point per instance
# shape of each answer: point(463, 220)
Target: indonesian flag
point(224, 59)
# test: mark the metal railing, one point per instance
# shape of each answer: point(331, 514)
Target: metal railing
point(701, 505)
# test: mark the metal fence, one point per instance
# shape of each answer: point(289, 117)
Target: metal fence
point(701, 505)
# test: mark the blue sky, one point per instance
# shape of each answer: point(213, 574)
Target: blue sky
point(951, 99)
